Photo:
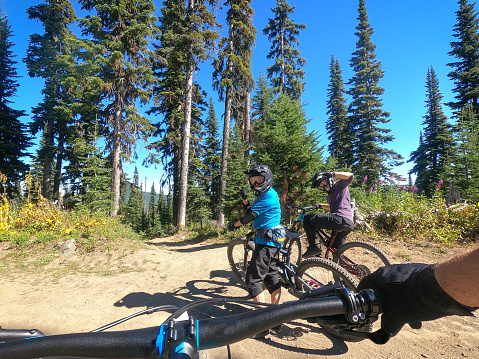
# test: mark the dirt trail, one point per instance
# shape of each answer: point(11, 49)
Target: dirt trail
point(80, 293)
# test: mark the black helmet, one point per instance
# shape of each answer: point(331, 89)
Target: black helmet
point(254, 173)
point(322, 177)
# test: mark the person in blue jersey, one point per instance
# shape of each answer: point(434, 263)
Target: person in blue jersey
point(265, 213)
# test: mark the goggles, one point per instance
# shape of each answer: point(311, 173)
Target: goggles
point(254, 180)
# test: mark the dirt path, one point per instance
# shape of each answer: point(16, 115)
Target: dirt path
point(80, 293)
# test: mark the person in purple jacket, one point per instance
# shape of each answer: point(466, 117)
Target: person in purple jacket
point(340, 217)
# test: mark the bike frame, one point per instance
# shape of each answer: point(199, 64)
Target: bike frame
point(287, 268)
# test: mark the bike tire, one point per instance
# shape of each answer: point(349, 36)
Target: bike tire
point(367, 258)
point(320, 272)
point(295, 249)
point(333, 272)
point(238, 258)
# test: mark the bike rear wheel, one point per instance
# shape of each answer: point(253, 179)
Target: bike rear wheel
point(360, 258)
point(239, 257)
point(317, 272)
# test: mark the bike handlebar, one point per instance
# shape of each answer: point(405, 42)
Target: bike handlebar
point(308, 208)
point(211, 332)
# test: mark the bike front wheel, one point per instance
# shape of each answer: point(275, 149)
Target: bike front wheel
point(239, 256)
point(360, 258)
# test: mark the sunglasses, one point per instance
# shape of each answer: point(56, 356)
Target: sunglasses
point(254, 180)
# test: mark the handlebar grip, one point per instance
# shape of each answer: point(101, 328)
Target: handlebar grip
point(138, 343)
point(216, 332)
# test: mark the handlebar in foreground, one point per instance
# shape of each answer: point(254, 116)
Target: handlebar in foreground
point(208, 333)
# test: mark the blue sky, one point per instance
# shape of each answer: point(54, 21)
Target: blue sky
point(410, 36)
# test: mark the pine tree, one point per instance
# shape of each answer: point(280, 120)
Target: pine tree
point(171, 68)
point(464, 163)
point(466, 51)
point(48, 56)
point(283, 32)
point(134, 208)
point(152, 218)
point(236, 179)
point(232, 75)
point(124, 31)
point(13, 138)
point(437, 139)
point(421, 165)
point(338, 127)
point(366, 114)
point(212, 160)
point(292, 161)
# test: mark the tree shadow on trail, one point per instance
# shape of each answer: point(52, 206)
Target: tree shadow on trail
point(176, 245)
point(215, 288)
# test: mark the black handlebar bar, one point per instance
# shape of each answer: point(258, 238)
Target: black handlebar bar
point(211, 332)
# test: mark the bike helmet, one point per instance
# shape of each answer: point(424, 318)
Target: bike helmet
point(259, 174)
point(320, 177)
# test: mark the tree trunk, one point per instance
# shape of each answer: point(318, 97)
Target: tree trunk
point(116, 159)
point(58, 173)
point(247, 124)
point(48, 160)
point(226, 136)
point(185, 147)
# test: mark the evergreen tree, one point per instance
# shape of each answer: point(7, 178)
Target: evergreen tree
point(134, 209)
point(200, 40)
point(171, 68)
point(466, 52)
point(292, 161)
point(421, 165)
point(232, 75)
point(48, 56)
point(366, 114)
point(286, 74)
point(152, 217)
point(123, 31)
point(437, 139)
point(90, 176)
point(236, 179)
point(13, 138)
point(464, 162)
point(338, 128)
point(212, 160)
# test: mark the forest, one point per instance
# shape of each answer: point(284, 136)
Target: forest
point(130, 53)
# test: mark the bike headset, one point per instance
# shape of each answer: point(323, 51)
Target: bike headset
point(320, 177)
point(265, 172)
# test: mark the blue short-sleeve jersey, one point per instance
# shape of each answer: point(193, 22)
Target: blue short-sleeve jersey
point(269, 214)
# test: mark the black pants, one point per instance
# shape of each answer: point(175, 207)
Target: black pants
point(263, 268)
point(343, 226)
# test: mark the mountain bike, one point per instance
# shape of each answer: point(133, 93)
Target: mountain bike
point(358, 258)
point(187, 330)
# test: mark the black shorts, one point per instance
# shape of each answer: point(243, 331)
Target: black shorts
point(263, 268)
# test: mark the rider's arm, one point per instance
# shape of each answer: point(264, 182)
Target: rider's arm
point(324, 206)
point(342, 175)
point(248, 217)
point(459, 278)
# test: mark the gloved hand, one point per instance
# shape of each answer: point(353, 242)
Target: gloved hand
point(409, 293)
point(242, 193)
point(231, 227)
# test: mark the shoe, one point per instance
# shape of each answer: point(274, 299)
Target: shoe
point(311, 252)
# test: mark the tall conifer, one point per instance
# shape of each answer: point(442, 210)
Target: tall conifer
point(286, 74)
point(13, 138)
point(365, 109)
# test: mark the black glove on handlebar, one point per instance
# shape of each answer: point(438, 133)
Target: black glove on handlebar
point(409, 293)
point(231, 227)
point(242, 192)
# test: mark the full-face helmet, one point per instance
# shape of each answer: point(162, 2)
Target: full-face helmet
point(260, 178)
point(323, 181)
